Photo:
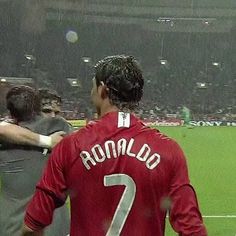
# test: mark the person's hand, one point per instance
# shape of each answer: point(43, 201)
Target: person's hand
point(57, 137)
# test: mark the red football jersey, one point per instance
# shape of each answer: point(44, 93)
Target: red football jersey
point(121, 177)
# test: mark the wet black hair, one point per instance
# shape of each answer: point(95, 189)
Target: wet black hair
point(123, 77)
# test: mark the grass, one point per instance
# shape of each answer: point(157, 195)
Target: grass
point(211, 156)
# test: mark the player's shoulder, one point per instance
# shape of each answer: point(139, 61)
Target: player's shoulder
point(171, 147)
point(168, 148)
point(53, 120)
point(156, 134)
point(162, 139)
point(169, 141)
point(51, 125)
point(91, 128)
point(83, 135)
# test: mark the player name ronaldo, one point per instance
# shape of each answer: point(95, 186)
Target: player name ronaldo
point(121, 148)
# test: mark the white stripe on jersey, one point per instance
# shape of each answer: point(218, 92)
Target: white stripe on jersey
point(123, 119)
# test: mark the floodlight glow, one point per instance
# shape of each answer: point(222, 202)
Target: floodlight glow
point(163, 62)
point(215, 63)
point(86, 59)
point(201, 85)
point(29, 57)
point(73, 82)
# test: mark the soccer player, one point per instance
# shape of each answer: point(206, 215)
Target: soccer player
point(21, 166)
point(51, 102)
point(50, 107)
point(186, 115)
point(121, 176)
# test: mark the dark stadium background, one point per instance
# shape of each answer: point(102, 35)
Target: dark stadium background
point(186, 48)
point(187, 51)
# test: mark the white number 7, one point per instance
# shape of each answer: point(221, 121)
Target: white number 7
point(125, 203)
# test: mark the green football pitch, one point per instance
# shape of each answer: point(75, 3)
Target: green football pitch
point(211, 157)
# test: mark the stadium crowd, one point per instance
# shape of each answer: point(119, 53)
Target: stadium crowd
point(149, 109)
point(172, 89)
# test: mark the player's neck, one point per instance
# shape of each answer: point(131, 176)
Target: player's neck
point(107, 108)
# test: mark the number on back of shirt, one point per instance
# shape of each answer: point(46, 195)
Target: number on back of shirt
point(125, 203)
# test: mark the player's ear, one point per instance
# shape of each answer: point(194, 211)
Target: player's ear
point(104, 90)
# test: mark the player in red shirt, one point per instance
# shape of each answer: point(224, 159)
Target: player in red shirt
point(121, 176)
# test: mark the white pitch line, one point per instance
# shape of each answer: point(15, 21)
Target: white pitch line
point(223, 216)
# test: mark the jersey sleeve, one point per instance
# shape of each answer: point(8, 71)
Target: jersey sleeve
point(185, 216)
point(51, 191)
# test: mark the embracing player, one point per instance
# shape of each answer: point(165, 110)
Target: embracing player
point(21, 166)
point(51, 104)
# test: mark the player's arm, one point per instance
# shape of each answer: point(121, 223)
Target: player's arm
point(50, 191)
point(185, 216)
point(16, 134)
